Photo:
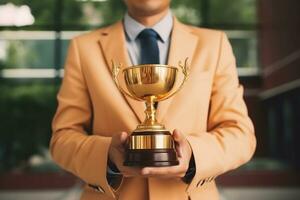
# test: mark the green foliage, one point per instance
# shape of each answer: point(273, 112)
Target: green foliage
point(26, 112)
point(72, 12)
point(18, 54)
point(232, 12)
point(112, 11)
point(29, 53)
point(94, 14)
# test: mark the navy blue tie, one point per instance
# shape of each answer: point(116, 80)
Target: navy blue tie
point(149, 48)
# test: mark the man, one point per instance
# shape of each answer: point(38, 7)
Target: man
point(213, 131)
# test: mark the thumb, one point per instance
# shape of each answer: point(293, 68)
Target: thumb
point(119, 139)
point(178, 137)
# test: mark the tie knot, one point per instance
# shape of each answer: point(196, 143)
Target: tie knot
point(148, 33)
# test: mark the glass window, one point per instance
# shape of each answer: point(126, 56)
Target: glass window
point(27, 53)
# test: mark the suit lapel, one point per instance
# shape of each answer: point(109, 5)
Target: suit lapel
point(183, 45)
point(113, 45)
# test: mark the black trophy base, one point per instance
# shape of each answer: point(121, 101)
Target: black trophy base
point(151, 158)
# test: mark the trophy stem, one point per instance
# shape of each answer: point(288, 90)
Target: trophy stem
point(150, 112)
point(150, 122)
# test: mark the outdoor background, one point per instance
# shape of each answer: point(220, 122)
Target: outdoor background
point(34, 37)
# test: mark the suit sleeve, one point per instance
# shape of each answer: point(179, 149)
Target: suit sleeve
point(229, 141)
point(71, 147)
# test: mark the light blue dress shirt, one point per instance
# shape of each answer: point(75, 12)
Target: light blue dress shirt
point(132, 30)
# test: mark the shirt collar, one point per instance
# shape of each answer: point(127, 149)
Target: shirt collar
point(163, 27)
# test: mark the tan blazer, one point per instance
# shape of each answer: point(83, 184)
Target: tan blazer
point(209, 110)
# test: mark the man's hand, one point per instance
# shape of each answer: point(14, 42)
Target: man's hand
point(116, 154)
point(183, 149)
point(184, 153)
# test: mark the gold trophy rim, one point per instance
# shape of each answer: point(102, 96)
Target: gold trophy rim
point(157, 96)
point(149, 65)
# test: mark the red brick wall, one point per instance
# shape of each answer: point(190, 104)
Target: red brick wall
point(279, 39)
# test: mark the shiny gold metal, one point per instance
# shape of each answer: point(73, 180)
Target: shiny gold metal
point(150, 83)
point(156, 141)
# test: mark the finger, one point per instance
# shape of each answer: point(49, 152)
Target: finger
point(178, 136)
point(128, 175)
point(119, 139)
point(123, 137)
point(178, 149)
point(161, 171)
point(163, 174)
point(131, 171)
point(147, 171)
point(179, 142)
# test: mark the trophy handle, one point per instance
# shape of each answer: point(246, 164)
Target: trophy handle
point(186, 71)
point(115, 73)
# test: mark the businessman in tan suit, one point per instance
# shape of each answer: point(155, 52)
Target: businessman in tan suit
point(213, 131)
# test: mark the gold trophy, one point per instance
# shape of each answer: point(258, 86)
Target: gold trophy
point(150, 144)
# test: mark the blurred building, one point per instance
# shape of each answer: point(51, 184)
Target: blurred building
point(265, 39)
point(280, 61)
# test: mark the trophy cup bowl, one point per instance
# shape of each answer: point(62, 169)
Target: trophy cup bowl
point(144, 81)
point(150, 144)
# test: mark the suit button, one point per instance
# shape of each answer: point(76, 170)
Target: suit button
point(201, 182)
point(97, 188)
